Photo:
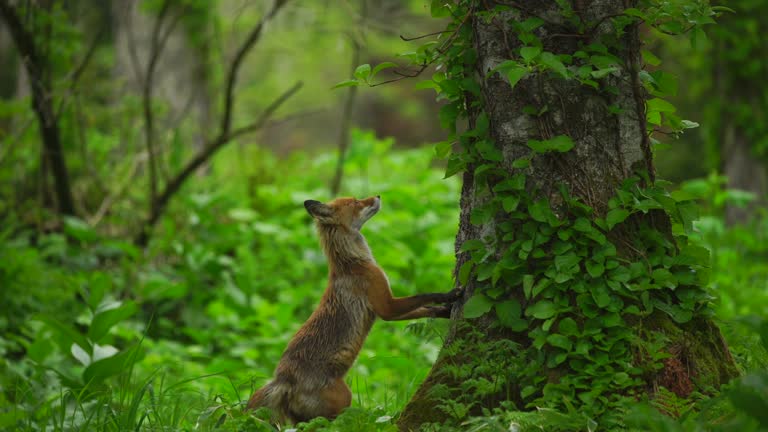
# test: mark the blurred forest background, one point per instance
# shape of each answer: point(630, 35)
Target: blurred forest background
point(154, 155)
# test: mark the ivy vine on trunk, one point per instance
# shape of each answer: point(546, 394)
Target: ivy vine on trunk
point(585, 288)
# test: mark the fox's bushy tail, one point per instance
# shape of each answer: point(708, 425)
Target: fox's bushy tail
point(274, 396)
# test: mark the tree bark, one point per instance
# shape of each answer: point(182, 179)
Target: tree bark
point(609, 148)
point(42, 104)
point(745, 171)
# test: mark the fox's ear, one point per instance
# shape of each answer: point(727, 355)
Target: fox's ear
point(318, 210)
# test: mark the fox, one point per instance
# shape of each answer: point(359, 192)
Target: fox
point(309, 378)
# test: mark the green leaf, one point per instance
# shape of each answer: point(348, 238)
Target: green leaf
point(443, 149)
point(529, 53)
point(541, 310)
point(439, 9)
point(448, 115)
point(79, 230)
point(568, 327)
point(559, 341)
point(471, 245)
point(531, 24)
point(455, 165)
point(515, 74)
point(510, 203)
point(650, 58)
point(67, 335)
point(381, 66)
point(105, 319)
point(508, 312)
point(567, 261)
point(363, 72)
point(616, 216)
point(554, 63)
point(464, 271)
point(477, 305)
point(523, 162)
point(347, 83)
point(540, 211)
point(595, 269)
point(560, 143)
point(102, 369)
point(660, 105)
point(527, 285)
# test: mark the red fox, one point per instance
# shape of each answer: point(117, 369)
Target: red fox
point(309, 379)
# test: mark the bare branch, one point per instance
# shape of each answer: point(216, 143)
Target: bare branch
point(201, 157)
point(250, 41)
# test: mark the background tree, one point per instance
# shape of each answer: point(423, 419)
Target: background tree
point(584, 289)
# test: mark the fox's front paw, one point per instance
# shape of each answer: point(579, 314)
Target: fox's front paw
point(453, 295)
point(443, 311)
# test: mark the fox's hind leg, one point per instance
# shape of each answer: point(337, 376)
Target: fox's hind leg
point(326, 402)
point(337, 396)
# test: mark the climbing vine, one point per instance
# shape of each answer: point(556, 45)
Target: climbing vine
point(588, 295)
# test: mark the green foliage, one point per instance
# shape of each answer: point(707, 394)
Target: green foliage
point(184, 334)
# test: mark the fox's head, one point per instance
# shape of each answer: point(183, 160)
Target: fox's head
point(349, 212)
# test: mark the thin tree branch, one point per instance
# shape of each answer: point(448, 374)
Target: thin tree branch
point(74, 77)
point(198, 160)
point(149, 118)
point(250, 41)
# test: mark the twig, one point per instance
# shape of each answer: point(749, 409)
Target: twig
point(74, 77)
point(149, 118)
point(441, 50)
point(209, 150)
point(113, 197)
point(250, 41)
point(410, 39)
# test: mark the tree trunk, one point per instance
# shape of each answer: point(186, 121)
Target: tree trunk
point(745, 171)
point(481, 362)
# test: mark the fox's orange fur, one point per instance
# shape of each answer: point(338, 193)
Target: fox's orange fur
point(309, 379)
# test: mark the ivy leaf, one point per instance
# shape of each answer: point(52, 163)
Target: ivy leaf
point(510, 203)
point(443, 149)
point(540, 211)
point(515, 74)
point(455, 165)
point(650, 58)
point(552, 62)
point(529, 53)
point(531, 24)
point(448, 115)
point(542, 310)
point(471, 245)
point(508, 313)
point(523, 162)
point(616, 216)
point(464, 271)
point(560, 143)
point(477, 305)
